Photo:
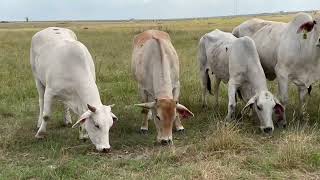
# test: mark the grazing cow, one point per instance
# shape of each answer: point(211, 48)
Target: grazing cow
point(245, 74)
point(247, 77)
point(64, 70)
point(291, 52)
point(155, 66)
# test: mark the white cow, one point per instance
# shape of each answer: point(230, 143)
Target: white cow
point(155, 66)
point(247, 76)
point(291, 52)
point(213, 56)
point(244, 73)
point(63, 69)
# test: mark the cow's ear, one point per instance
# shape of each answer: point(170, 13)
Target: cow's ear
point(82, 118)
point(148, 105)
point(183, 111)
point(114, 117)
point(306, 27)
point(249, 104)
point(278, 110)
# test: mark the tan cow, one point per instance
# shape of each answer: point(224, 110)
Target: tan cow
point(155, 66)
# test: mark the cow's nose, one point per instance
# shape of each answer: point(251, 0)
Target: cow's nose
point(267, 130)
point(106, 150)
point(166, 142)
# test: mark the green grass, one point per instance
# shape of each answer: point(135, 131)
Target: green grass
point(210, 149)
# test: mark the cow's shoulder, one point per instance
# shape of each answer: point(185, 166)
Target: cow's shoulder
point(143, 37)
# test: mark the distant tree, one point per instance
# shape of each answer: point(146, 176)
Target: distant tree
point(27, 19)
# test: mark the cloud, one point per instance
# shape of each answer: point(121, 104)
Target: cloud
point(141, 9)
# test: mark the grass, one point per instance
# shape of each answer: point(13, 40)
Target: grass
point(210, 149)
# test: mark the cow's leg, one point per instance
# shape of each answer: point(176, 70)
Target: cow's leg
point(83, 134)
point(204, 82)
point(302, 100)
point(177, 122)
point(283, 92)
point(232, 90)
point(47, 102)
point(283, 89)
point(146, 113)
point(40, 89)
point(216, 90)
point(67, 116)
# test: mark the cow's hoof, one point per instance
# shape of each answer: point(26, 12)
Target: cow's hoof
point(40, 135)
point(144, 131)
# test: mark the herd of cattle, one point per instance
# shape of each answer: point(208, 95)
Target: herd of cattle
point(255, 51)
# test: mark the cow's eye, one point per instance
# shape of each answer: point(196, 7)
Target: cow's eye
point(158, 117)
point(259, 108)
point(97, 126)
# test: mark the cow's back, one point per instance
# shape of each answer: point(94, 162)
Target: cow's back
point(218, 45)
point(250, 27)
point(49, 35)
point(154, 57)
point(64, 62)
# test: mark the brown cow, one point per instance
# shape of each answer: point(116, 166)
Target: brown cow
point(155, 66)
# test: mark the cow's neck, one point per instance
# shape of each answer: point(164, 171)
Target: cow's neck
point(86, 94)
point(162, 83)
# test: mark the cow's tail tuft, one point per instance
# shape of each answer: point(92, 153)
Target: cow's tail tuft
point(309, 90)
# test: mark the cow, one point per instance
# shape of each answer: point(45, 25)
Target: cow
point(246, 76)
point(291, 52)
point(251, 26)
point(236, 61)
point(63, 70)
point(155, 67)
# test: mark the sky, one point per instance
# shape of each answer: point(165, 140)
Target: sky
point(42, 10)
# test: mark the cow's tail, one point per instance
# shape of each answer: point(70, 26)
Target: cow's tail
point(160, 46)
point(203, 62)
point(309, 90)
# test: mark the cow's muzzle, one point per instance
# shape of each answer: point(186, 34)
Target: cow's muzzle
point(166, 142)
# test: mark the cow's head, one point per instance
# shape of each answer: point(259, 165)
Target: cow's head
point(164, 112)
point(264, 105)
point(309, 26)
point(97, 121)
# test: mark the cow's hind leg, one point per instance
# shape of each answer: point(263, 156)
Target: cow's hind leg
point(40, 89)
point(232, 90)
point(47, 102)
point(216, 91)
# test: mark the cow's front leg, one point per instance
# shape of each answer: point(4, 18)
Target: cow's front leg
point(147, 113)
point(47, 102)
point(283, 92)
point(177, 122)
point(145, 123)
point(303, 91)
point(83, 134)
point(232, 89)
point(67, 116)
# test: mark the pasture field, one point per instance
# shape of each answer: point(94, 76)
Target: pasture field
point(209, 149)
